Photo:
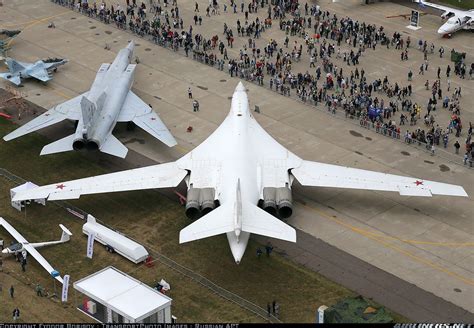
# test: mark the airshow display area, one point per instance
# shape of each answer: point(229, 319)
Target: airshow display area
point(332, 153)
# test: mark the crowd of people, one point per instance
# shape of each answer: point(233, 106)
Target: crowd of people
point(326, 40)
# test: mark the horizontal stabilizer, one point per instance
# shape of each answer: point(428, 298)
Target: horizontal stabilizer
point(66, 234)
point(114, 147)
point(257, 221)
point(15, 79)
point(254, 220)
point(59, 146)
point(217, 222)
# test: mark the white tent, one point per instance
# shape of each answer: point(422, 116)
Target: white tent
point(115, 297)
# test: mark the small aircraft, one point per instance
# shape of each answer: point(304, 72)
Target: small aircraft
point(456, 19)
point(23, 245)
point(239, 182)
point(98, 110)
point(40, 70)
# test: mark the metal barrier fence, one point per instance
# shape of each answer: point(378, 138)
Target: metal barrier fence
point(339, 114)
point(222, 292)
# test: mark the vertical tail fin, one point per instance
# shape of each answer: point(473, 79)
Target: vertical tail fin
point(66, 235)
point(90, 108)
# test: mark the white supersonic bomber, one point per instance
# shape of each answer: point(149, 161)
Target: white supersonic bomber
point(239, 182)
point(97, 111)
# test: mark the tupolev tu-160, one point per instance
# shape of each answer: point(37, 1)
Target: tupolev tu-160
point(239, 182)
point(98, 110)
point(23, 245)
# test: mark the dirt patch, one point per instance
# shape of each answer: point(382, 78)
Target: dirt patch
point(444, 168)
point(359, 153)
point(147, 49)
point(222, 80)
point(405, 153)
point(368, 138)
point(92, 27)
point(201, 87)
point(429, 162)
point(355, 134)
point(108, 32)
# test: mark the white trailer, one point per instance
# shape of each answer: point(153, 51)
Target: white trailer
point(114, 241)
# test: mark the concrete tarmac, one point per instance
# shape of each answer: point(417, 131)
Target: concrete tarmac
point(427, 242)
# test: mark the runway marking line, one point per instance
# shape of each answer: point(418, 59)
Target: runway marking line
point(394, 247)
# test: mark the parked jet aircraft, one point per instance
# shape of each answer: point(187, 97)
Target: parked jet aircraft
point(24, 245)
point(456, 19)
point(109, 101)
point(239, 181)
point(40, 70)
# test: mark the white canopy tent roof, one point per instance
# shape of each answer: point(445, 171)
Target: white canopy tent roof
point(125, 295)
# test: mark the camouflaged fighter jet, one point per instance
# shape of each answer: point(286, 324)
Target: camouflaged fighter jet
point(41, 70)
point(98, 110)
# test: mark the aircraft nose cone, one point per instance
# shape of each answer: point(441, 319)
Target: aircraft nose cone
point(131, 45)
point(240, 87)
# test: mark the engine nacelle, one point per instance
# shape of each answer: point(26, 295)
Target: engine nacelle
point(193, 210)
point(284, 202)
point(78, 144)
point(92, 145)
point(206, 200)
point(200, 201)
point(269, 200)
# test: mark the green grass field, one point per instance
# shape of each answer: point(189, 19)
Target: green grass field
point(464, 4)
point(154, 220)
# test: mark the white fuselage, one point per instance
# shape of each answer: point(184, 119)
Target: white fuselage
point(239, 164)
point(452, 25)
point(116, 84)
point(236, 160)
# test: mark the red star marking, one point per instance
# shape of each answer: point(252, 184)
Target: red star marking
point(153, 118)
point(417, 182)
point(60, 186)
